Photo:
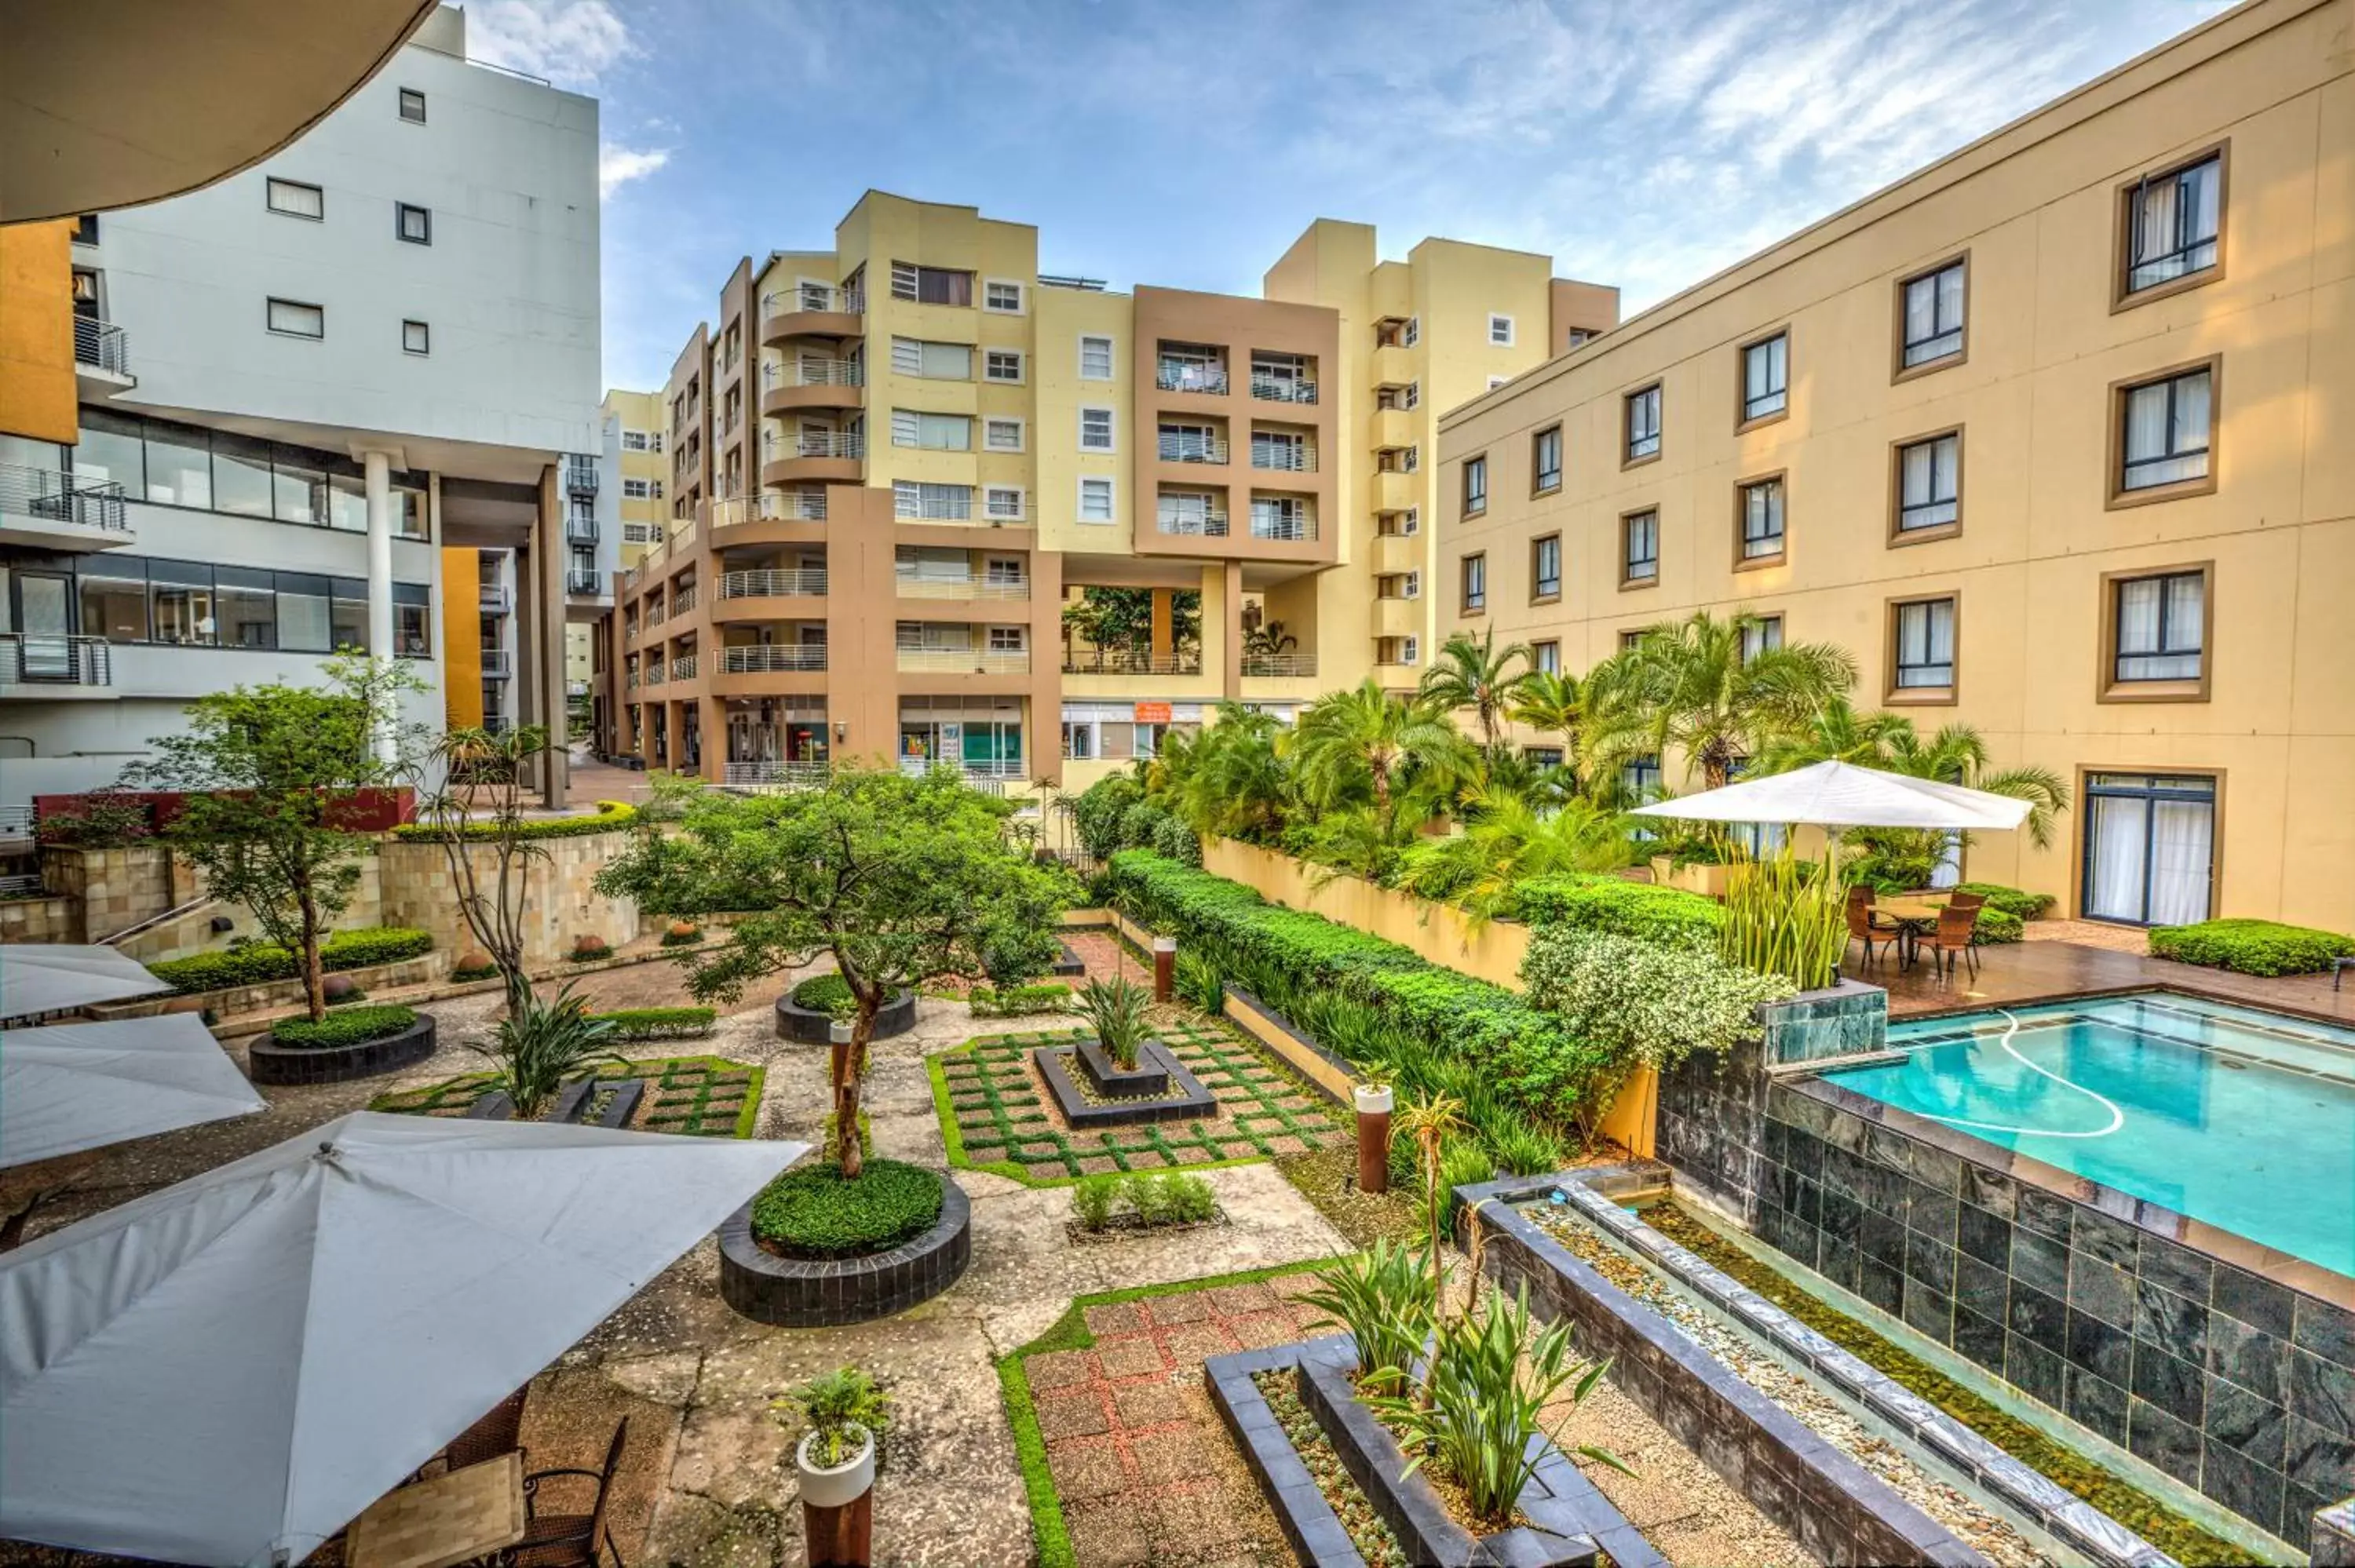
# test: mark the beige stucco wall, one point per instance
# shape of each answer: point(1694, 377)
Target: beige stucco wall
point(421, 891)
point(2033, 207)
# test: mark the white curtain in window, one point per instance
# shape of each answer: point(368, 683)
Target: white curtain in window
point(2154, 236)
point(2181, 845)
point(2138, 614)
point(2190, 413)
point(2146, 423)
point(1949, 869)
point(2115, 880)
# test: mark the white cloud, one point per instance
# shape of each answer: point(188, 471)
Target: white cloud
point(617, 165)
point(569, 42)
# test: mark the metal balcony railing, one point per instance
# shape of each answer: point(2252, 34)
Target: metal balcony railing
point(583, 580)
point(1179, 448)
point(775, 506)
point(1131, 662)
point(496, 598)
point(656, 674)
point(102, 345)
point(775, 775)
point(581, 530)
point(1174, 375)
point(928, 585)
point(1279, 663)
point(1290, 528)
point(630, 681)
point(759, 660)
point(934, 508)
point(497, 664)
point(30, 659)
point(1282, 388)
point(988, 769)
point(809, 370)
point(580, 475)
point(812, 297)
point(766, 582)
point(1284, 457)
point(683, 667)
point(964, 661)
point(682, 598)
point(53, 497)
point(1205, 524)
point(850, 444)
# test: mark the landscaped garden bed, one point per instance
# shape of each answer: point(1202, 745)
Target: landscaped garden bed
point(361, 1042)
point(1107, 1207)
point(808, 1012)
point(696, 1097)
point(815, 1249)
point(998, 1116)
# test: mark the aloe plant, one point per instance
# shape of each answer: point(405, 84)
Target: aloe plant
point(1115, 1010)
point(1786, 916)
point(1384, 1297)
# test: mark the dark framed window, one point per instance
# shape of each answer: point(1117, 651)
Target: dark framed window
point(86, 230)
point(2174, 224)
point(1476, 582)
point(1641, 778)
point(1475, 485)
point(2149, 848)
point(412, 223)
point(1930, 484)
point(413, 106)
point(1545, 459)
point(2164, 430)
point(2161, 627)
point(1759, 507)
point(1765, 377)
point(1922, 650)
point(1761, 634)
point(1545, 658)
point(416, 337)
point(1929, 316)
point(293, 318)
point(1639, 547)
point(1643, 419)
point(295, 199)
point(1545, 566)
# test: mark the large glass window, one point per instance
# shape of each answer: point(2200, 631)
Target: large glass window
point(1933, 316)
point(1476, 582)
point(1475, 485)
point(2166, 433)
point(179, 465)
point(1545, 566)
point(1929, 483)
point(240, 475)
point(305, 624)
point(350, 614)
point(298, 486)
point(2161, 624)
point(411, 637)
point(1545, 459)
point(1644, 424)
point(2173, 221)
point(1925, 645)
point(109, 451)
point(2149, 848)
point(1640, 541)
point(248, 602)
point(180, 596)
point(114, 601)
point(1766, 377)
point(1762, 520)
point(1761, 634)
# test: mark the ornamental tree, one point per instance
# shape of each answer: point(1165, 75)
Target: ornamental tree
point(901, 879)
point(269, 771)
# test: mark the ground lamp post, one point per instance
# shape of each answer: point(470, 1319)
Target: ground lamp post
point(838, 1509)
point(1374, 1102)
point(1165, 967)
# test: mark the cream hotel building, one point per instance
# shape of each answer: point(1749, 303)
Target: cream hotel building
point(2057, 436)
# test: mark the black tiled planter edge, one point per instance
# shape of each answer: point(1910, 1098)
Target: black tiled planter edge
point(627, 1093)
point(267, 1062)
point(828, 1293)
point(811, 1027)
point(1340, 1064)
point(1308, 1521)
point(1192, 1102)
point(1835, 1508)
point(1147, 1078)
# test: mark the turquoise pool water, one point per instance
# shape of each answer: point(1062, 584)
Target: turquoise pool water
point(2237, 1116)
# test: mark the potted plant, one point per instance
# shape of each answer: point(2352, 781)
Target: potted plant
point(835, 1460)
point(1115, 1010)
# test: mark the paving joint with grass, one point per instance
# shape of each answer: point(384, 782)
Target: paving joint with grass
point(695, 1096)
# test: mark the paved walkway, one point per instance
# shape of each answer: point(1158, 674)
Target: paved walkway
point(2044, 970)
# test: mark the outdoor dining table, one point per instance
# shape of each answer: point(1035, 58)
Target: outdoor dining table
point(468, 1513)
point(1915, 917)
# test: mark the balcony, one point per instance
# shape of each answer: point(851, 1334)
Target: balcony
point(655, 673)
point(1397, 491)
point(1393, 429)
point(1131, 662)
point(579, 476)
point(1278, 387)
point(964, 661)
point(499, 664)
point(988, 773)
point(1197, 523)
point(583, 581)
point(62, 664)
point(774, 583)
point(682, 598)
point(914, 585)
point(102, 358)
point(1282, 457)
point(812, 455)
point(811, 310)
point(772, 506)
point(1185, 376)
point(776, 775)
point(1186, 447)
point(1286, 525)
point(1279, 666)
point(581, 530)
point(762, 661)
point(495, 600)
point(53, 511)
point(683, 667)
point(811, 381)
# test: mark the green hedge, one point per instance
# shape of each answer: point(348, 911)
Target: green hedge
point(1018, 1001)
point(813, 1212)
point(1995, 927)
point(829, 992)
point(2012, 901)
point(2251, 947)
point(258, 963)
point(1644, 910)
point(609, 817)
point(344, 1026)
point(659, 1022)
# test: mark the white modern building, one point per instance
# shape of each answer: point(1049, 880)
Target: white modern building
point(299, 385)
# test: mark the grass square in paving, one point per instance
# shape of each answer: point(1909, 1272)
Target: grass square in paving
point(995, 1117)
point(694, 1097)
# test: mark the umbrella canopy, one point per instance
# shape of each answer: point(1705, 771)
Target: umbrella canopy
point(1841, 795)
point(233, 1368)
point(83, 1085)
point(51, 977)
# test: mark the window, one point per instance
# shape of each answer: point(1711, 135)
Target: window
point(640, 533)
point(296, 199)
point(1922, 652)
point(1398, 650)
point(1758, 509)
point(1002, 295)
point(2158, 634)
point(1641, 778)
point(2165, 430)
point(1095, 359)
point(2150, 848)
point(1403, 525)
point(413, 106)
point(1500, 331)
point(1475, 487)
point(1631, 640)
point(1929, 317)
point(1930, 486)
point(290, 318)
point(1765, 378)
point(1095, 500)
point(936, 503)
point(1545, 567)
point(654, 489)
point(2172, 227)
point(1412, 334)
point(934, 432)
point(1001, 435)
point(1545, 460)
point(1002, 365)
point(1545, 658)
point(1643, 425)
point(1761, 634)
point(416, 337)
point(1007, 640)
point(1541, 756)
point(412, 223)
point(930, 285)
point(1284, 517)
point(633, 440)
point(1001, 503)
point(1079, 741)
point(1639, 548)
point(1577, 337)
point(932, 361)
point(635, 490)
point(1095, 430)
point(86, 230)
point(655, 441)
point(1475, 583)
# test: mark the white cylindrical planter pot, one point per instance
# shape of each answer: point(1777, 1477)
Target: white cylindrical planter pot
point(840, 1485)
point(838, 1506)
point(1374, 1102)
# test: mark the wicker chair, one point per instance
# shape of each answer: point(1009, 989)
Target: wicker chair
point(1966, 900)
point(1860, 928)
point(570, 1540)
point(498, 1433)
point(1952, 936)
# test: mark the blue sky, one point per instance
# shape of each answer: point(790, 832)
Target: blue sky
point(1644, 144)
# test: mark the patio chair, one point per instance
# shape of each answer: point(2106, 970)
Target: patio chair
point(570, 1540)
point(1860, 928)
point(499, 1432)
point(1952, 936)
point(1959, 900)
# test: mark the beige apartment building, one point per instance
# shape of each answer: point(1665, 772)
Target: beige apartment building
point(926, 505)
point(2054, 435)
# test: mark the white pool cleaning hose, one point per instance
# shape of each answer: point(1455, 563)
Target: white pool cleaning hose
point(2011, 1027)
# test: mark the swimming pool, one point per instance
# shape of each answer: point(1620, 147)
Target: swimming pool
point(2240, 1118)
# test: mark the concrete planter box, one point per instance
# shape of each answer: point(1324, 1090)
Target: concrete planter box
point(1187, 1100)
point(267, 1062)
point(1847, 1018)
point(812, 1027)
point(569, 1102)
point(828, 1293)
point(1149, 1076)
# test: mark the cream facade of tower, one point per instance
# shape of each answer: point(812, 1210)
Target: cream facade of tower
point(927, 505)
point(2051, 435)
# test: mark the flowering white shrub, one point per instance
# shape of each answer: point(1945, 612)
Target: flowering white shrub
point(1639, 1003)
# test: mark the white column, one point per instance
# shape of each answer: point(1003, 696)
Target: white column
point(376, 471)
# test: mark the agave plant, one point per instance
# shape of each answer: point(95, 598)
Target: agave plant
point(1384, 1297)
point(1115, 1010)
point(541, 1044)
point(1491, 1375)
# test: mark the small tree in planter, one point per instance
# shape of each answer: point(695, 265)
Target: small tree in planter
point(266, 769)
point(899, 878)
point(480, 805)
point(1115, 1010)
point(846, 1415)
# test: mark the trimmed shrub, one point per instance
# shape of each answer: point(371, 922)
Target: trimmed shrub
point(829, 992)
point(658, 1022)
point(1018, 1000)
point(1654, 914)
point(259, 963)
point(1098, 810)
point(345, 1026)
point(2251, 947)
point(1093, 1198)
point(814, 1213)
point(1995, 927)
point(611, 816)
point(2012, 901)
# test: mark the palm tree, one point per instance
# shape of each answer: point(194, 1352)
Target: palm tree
point(1957, 754)
point(1510, 840)
point(1837, 732)
point(1687, 685)
point(1235, 783)
point(1472, 674)
point(1366, 740)
point(1552, 702)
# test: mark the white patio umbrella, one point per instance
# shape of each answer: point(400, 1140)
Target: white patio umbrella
point(1841, 795)
point(72, 1086)
point(229, 1371)
point(51, 977)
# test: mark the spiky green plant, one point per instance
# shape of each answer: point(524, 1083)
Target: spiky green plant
point(1384, 1297)
point(1786, 916)
point(1115, 1011)
point(836, 1406)
point(542, 1046)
